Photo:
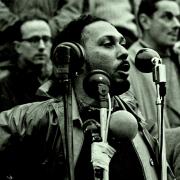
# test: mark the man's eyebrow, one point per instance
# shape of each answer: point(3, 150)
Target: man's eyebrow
point(112, 37)
point(169, 13)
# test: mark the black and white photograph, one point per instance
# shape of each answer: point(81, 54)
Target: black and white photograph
point(89, 89)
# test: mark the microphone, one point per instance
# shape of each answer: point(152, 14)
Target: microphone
point(68, 57)
point(123, 125)
point(144, 60)
point(97, 83)
point(61, 60)
point(92, 128)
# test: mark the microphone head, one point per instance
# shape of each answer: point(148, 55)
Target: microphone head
point(123, 125)
point(143, 59)
point(92, 81)
point(71, 51)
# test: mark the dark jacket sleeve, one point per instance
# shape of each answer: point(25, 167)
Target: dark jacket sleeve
point(20, 121)
point(29, 137)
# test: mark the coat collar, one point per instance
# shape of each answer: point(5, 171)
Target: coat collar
point(50, 90)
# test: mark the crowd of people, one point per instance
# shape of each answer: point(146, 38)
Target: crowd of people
point(74, 104)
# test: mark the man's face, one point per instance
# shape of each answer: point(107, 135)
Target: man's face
point(35, 46)
point(104, 50)
point(164, 24)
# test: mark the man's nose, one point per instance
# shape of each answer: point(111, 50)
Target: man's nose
point(122, 53)
point(41, 46)
point(176, 22)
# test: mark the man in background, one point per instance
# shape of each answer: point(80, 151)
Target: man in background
point(31, 62)
point(159, 24)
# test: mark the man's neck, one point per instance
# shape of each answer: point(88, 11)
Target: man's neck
point(162, 50)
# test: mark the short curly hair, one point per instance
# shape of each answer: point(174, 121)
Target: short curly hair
point(73, 31)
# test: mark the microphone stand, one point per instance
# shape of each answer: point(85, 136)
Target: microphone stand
point(99, 82)
point(66, 84)
point(103, 90)
point(159, 77)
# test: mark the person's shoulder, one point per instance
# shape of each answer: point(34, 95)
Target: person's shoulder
point(37, 114)
point(173, 149)
point(172, 137)
point(135, 46)
point(132, 50)
point(33, 107)
point(129, 98)
point(29, 110)
point(173, 132)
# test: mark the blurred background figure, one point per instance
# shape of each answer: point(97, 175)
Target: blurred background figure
point(121, 13)
point(173, 150)
point(59, 12)
point(158, 21)
point(31, 64)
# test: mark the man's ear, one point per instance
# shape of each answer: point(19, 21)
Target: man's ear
point(145, 21)
point(17, 46)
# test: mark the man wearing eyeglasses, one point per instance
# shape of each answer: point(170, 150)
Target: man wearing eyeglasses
point(32, 66)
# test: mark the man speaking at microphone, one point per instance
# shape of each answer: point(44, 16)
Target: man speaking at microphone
point(33, 140)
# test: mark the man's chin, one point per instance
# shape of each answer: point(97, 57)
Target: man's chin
point(119, 87)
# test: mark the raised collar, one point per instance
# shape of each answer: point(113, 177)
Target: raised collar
point(49, 90)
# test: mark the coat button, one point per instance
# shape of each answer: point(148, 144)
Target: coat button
point(151, 162)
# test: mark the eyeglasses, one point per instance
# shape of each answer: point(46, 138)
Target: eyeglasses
point(35, 40)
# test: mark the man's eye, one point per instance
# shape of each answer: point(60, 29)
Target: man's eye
point(123, 43)
point(168, 16)
point(34, 39)
point(108, 44)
